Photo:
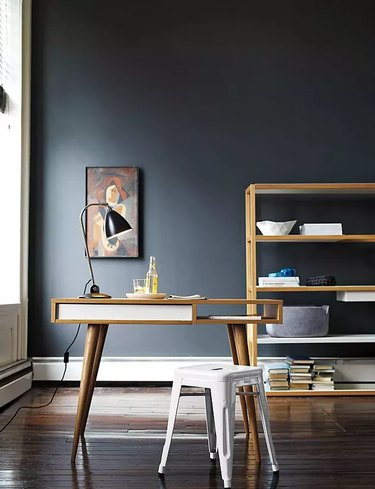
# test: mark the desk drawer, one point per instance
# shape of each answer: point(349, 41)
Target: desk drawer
point(123, 313)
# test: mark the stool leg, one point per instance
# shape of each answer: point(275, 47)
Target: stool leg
point(264, 414)
point(211, 432)
point(223, 400)
point(175, 398)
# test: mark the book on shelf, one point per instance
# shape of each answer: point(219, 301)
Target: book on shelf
point(322, 377)
point(322, 382)
point(300, 387)
point(320, 367)
point(277, 368)
point(299, 360)
point(323, 387)
point(306, 376)
point(276, 372)
point(300, 381)
point(278, 281)
point(278, 376)
point(329, 228)
point(278, 385)
point(299, 369)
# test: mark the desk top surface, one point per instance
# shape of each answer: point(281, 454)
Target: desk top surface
point(159, 311)
point(121, 300)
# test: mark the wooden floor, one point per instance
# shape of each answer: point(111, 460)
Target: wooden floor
point(320, 443)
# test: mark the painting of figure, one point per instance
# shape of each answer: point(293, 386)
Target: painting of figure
point(118, 187)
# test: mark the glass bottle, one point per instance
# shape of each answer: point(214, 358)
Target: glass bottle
point(152, 277)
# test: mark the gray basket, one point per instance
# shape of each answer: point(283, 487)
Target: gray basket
point(301, 321)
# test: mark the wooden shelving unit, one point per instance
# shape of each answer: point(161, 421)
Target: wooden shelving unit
point(253, 239)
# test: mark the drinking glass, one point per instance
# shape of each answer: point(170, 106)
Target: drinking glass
point(140, 286)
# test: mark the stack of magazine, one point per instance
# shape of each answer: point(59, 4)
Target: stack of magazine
point(300, 372)
point(322, 379)
point(278, 281)
point(327, 228)
point(277, 377)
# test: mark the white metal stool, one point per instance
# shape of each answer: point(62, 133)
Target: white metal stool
point(220, 382)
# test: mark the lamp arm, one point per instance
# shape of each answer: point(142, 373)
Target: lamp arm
point(104, 204)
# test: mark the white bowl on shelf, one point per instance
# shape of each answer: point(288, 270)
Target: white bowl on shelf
point(272, 228)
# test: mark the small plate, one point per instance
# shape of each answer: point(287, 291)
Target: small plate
point(146, 296)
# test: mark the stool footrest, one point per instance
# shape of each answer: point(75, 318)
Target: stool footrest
point(189, 394)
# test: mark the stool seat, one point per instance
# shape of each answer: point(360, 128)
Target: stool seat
point(218, 372)
point(220, 382)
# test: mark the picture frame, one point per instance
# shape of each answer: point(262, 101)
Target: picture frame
point(119, 187)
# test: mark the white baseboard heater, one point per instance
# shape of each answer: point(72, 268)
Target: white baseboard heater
point(15, 379)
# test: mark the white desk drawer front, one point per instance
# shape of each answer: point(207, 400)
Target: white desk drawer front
point(124, 312)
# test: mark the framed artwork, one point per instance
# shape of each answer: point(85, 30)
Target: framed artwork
point(119, 187)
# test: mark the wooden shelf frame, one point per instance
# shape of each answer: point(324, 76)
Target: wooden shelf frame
point(252, 239)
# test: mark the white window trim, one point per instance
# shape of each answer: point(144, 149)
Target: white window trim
point(16, 314)
point(25, 171)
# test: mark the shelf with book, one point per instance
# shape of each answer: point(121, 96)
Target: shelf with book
point(357, 293)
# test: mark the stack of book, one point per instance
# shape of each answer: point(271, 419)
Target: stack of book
point(333, 228)
point(277, 377)
point(278, 281)
point(322, 379)
point(300, 372)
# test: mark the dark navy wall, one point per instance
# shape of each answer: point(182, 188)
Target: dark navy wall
point(204, 97)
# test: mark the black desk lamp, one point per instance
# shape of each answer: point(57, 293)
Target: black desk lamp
point(114, 225)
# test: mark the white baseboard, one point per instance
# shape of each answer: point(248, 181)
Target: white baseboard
point(119, 369)
point(160, 369)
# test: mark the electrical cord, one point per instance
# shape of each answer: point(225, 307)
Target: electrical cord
point(66, 361)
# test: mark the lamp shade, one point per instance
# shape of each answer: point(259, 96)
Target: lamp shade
point(115, 224)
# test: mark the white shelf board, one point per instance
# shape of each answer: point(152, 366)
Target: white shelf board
point(264, 339)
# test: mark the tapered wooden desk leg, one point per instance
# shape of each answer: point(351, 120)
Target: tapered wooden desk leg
point(240, 339)
point(92, 336)
point(233, 350)
point(94, 373)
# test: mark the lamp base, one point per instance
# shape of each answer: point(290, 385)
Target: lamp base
point(95, 295)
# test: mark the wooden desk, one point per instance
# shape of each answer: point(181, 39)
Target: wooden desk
point(99, 313)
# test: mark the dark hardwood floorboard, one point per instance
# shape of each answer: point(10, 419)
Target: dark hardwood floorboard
point(320, 442)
